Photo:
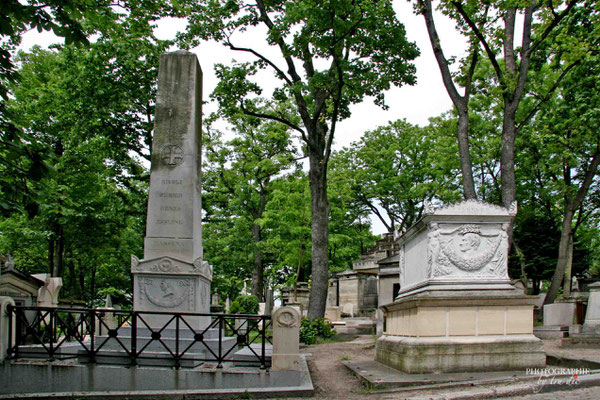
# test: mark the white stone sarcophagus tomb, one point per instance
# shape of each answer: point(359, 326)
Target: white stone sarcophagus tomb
point(456, 310)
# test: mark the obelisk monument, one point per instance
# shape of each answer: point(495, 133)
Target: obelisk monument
point(173, 277)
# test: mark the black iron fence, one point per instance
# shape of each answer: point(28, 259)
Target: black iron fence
point(139, 337)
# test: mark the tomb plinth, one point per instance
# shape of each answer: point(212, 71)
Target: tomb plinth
point(456, 309)
point(172, 276)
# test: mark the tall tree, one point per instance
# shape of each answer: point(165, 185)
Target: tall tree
point(326, 55)
point(461, 102)
point(565, 135)
point(246, 167)
point(490, 28)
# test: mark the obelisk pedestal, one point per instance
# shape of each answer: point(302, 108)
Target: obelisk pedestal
point(173, 277)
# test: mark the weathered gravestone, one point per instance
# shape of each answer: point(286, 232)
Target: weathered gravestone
point(173, 277)
point(589, 334)
point(592, 316)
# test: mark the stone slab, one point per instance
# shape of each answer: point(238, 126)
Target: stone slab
point(246, 357)
point(582, 340)
point(174, 204)
point(39, 379)
point(551, 332)
point(482, 390)
point(592, 315)
point(457, 245)
point(559, 314)
point(377, 376)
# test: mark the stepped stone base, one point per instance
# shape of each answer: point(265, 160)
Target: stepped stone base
point(460, 354)
point(551, 332)
point(460, 331)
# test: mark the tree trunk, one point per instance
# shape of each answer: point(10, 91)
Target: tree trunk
point(59, 263)
point(82, 281)
point(460, 102)
point(258, 270)
point(73, 277)
point(507, 157)
point(565, 235)
point(92, 287)
point(464, 154)
point(567, 278)
point(561, 264)
point(51, 255)
point(320, 234)
point(56, 250)
point(522, 263)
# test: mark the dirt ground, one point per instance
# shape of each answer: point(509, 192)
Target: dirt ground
point(331, 379)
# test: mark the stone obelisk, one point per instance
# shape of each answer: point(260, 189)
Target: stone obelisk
point(172, 277)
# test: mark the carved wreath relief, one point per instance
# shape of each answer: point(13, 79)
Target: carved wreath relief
point(287, 319)
point(168, 293)
point(467, 250)
point(165, 265)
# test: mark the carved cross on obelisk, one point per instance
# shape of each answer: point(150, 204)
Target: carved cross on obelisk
point(172, 277)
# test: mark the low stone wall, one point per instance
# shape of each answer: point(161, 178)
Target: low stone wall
point(32, 379)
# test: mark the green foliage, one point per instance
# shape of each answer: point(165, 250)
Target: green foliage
point(394, 169)
point(335, 53)
point(244, 305)
point(239, 177)
point(364, 40)
point(310, 331)
point(74, 188)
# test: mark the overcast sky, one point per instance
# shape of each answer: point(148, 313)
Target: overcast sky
point(428, 98)
point(416, 104)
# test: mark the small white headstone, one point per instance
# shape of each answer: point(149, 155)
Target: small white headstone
point(348, 309)
point(286, 339)
point(559, 314)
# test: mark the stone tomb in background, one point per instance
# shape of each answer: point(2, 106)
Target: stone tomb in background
point(456, 310)
point(173, 277)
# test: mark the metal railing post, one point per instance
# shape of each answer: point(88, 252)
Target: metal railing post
point(92, 331)
point(177, 363)
point(221, 333)
point(133, 338)
point(52, 334)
